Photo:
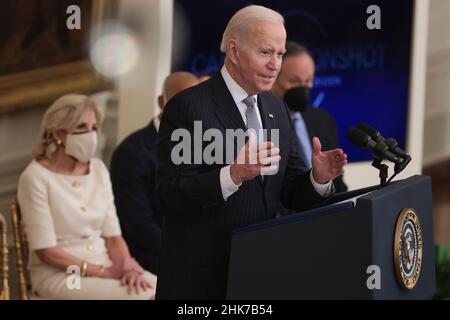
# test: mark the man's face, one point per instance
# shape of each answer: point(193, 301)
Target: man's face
point(258, 59)
point(296, 71)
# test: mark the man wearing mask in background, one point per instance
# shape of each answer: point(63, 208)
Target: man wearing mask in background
point(294, 84)
point(133, 168)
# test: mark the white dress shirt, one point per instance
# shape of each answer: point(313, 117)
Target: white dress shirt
point(156, 123)
point(226, 183)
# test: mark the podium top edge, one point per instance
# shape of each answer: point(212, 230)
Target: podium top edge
point(395, 185)
point(294, 217)
point(330, 209)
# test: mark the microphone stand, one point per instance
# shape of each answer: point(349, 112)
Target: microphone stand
point(400, 166)
point(383, 171)
point(342, 196)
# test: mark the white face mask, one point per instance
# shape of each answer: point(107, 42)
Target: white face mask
point(81, 146)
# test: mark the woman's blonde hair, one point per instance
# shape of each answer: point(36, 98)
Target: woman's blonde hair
point(65, 113)
point(240, 23)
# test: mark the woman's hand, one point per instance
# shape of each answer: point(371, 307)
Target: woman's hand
point(135, 281)
point(113, 272)
point(130, 264)
point(118, 270)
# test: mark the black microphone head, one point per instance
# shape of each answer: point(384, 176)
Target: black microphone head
point(357, 137)
point(393, 145)
point(399, 167)
point(372, 132)
point(391, 142)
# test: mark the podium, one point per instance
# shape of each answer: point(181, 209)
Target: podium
point(378, 247)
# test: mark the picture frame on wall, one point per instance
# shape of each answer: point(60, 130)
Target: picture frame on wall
point(40, 57)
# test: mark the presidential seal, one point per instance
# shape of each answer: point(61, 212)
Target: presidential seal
point(408, 248)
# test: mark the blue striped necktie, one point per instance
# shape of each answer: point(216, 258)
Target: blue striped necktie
point(252, 117)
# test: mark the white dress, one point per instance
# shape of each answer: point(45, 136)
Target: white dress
point(73, 213)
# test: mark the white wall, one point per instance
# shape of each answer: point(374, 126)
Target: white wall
point(139, 89)
point(437, 110)
point(363, 174)
point(19, 128)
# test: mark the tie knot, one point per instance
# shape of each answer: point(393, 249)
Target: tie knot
point(249, 101)
point(296, 116)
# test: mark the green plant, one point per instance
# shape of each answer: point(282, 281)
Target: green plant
point(442, 272)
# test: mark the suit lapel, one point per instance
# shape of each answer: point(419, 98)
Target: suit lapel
point(267, 118)
point(226, 109)
point(228, 113)
point(308, 123)
point(151, 135)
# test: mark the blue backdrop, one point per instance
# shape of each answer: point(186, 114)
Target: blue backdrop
point(362, 75)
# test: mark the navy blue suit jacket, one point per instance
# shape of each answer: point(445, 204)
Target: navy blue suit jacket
point(133, 176)
point(320, 123)
point(197, 220)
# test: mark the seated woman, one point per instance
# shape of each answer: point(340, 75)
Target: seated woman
point(67, 205)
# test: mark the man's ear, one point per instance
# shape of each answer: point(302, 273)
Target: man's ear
point(161, 101)
point(233, 51)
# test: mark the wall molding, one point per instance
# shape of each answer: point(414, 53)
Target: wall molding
point(11, 166)
point(438, 62)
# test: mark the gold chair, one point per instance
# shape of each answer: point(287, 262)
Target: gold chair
point(21, 249)
point(4, 289)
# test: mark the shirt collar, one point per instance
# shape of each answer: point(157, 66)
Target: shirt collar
point(235, 89)
point(156, 122)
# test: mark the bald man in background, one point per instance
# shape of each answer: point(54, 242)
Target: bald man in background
point(133, 168)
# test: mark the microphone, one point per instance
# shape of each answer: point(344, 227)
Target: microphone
point(390, 142)
point(372, 132)
point(393, 145)
point(379, 149)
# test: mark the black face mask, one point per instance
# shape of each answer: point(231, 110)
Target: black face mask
point(297, 98)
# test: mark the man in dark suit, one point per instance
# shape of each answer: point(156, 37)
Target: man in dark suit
point(293, 84)
point(203, 201)
point(133, 176)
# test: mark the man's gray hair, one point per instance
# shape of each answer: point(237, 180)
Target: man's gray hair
point(240, 23)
